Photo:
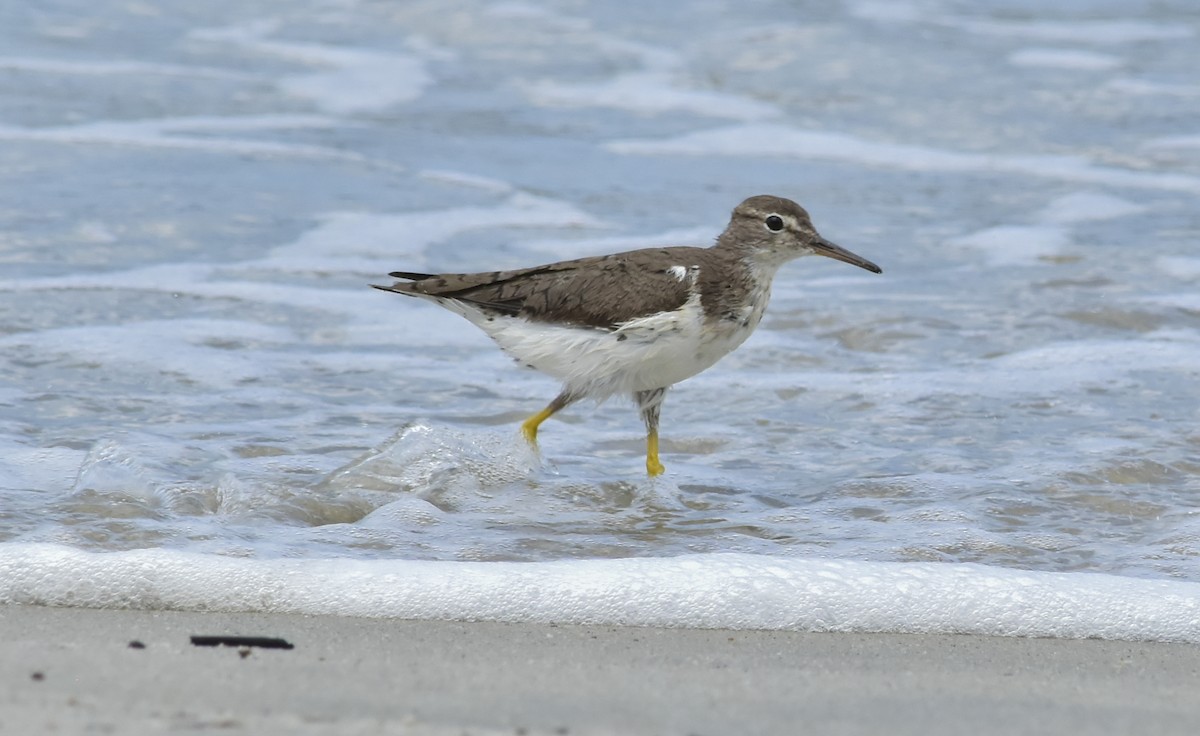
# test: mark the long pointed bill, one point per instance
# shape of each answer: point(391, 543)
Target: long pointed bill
point(823, 247)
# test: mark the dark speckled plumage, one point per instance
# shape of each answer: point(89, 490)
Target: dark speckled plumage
point(602, 291)
point(605, 291)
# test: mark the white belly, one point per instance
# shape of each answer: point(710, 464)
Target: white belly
point(642, 354)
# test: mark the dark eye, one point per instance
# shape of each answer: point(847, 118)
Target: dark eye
point(774, 223)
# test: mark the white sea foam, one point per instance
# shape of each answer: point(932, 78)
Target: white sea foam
point(530, 13)
point(1182, 267)
point(886, 10)
point(1086, 207)
point(1077, 30)
point(171, 133)
point(463, 179)
point(350, 81)
point(107, 67)
point(655, 91)
point(1016, 244)
point(1064, 59)
point(1010, 245)
point(1174, 141)
point(731, 591)
point(762, 139)
point(1115, 356)
point(1108, 32)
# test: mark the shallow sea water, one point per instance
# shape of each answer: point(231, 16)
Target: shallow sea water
point(194, 203)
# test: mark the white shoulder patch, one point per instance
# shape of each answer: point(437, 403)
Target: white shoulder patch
point(679, 272)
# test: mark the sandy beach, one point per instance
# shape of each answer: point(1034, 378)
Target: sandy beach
point(73, 670)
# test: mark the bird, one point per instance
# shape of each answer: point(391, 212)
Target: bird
point(636, 322)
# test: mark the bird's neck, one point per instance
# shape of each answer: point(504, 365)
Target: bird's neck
point(736, 280)
point(748, 262)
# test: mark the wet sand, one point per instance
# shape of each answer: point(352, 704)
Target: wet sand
point(74, 670)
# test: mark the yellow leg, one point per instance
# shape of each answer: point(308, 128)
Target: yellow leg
point(649, 403)
point(530, 427)
point(653, 466)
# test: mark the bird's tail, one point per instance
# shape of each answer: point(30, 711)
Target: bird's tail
point(403, 288)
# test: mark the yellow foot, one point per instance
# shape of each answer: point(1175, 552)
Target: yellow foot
point(653, 466)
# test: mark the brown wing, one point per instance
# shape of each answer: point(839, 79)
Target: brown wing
point(598, 292)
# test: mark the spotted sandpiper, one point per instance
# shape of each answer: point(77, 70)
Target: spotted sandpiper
point(638, 322)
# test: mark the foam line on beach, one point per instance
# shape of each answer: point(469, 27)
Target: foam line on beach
point(726, 591)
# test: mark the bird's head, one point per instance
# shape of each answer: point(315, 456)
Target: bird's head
point(774, 230)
